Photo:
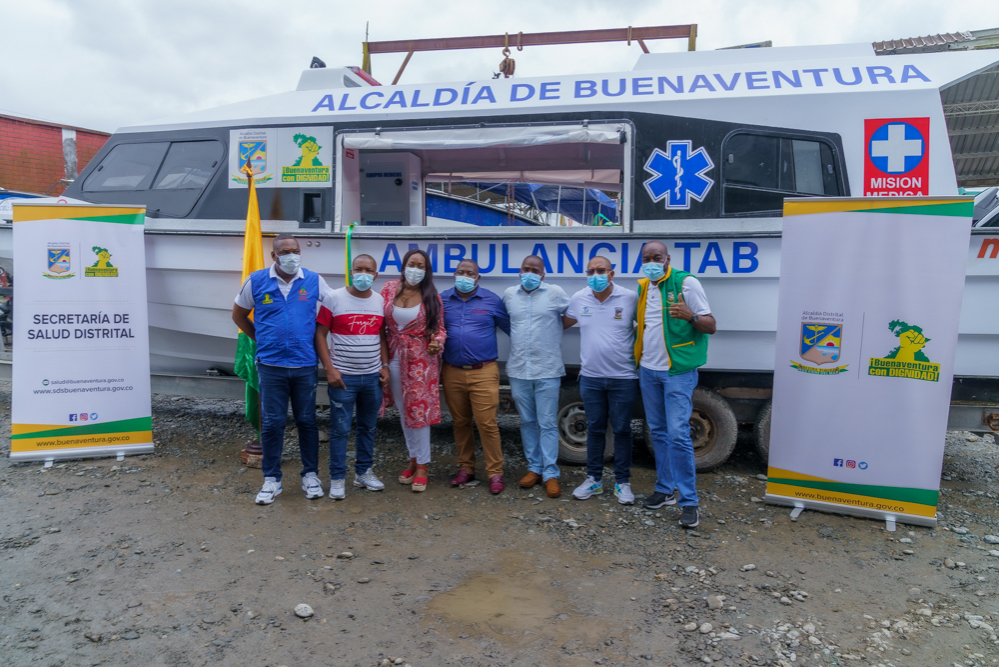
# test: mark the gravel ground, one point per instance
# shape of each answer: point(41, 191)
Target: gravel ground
point(164, 559)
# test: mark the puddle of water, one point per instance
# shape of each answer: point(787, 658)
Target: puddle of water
point(514, 602)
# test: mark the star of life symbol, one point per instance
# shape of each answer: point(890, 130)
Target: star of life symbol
point(896, 148)
point(678, 175)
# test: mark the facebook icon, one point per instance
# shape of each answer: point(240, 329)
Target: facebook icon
point(838, 463)
point(72, 418)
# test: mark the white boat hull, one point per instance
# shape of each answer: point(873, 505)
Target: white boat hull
point(193, 278)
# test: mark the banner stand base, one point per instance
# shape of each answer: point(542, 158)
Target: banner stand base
point(118, 452)
point(890, 519)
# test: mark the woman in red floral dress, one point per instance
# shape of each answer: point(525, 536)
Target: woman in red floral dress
point(414, 320)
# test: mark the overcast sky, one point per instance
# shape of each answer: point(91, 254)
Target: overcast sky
point(102, 64)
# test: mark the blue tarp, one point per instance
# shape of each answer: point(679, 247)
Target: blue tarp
point(470, 212)
point(580, 204)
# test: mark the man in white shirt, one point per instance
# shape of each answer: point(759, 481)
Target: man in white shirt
point(605, 314)
point(674, 321)
point(535, 369)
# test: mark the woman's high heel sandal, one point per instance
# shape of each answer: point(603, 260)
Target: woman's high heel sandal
point(420, 479)
point(407, 475)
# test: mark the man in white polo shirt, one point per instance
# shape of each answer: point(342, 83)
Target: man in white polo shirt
point(608, 383)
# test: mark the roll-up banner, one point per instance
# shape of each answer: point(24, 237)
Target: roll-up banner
point(868, 313)
point(81, 336)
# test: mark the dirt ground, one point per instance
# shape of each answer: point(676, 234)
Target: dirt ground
point(164, 560)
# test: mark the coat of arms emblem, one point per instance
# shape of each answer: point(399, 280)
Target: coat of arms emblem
point(256, 153)
point(820, 343)
point(58, 261)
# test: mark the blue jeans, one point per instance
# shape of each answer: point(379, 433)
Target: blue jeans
point(277, 385)
point(364, 392)
point(603, 399)
point(537, 403)
point(668, 402)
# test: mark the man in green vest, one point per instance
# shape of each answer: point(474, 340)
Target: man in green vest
point(674, 321)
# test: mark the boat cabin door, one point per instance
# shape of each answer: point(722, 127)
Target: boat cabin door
point(383, 188)
point(391, 188)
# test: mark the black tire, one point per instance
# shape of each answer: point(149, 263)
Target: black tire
point(572, 430)
point(761, 429)
point(713, 428)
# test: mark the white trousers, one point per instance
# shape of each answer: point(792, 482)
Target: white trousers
point(417, 439)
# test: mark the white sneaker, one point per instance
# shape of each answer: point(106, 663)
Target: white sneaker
point(312, 486)
point(590, 487)
point(270, 490)
point(369, 481)
point(338, 489)
point(624, 494)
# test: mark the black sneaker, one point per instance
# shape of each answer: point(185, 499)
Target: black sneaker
point(690, 517)
point(658, 499)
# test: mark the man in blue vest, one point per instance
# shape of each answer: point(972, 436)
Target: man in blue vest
point(671, 343)
point(284, 300)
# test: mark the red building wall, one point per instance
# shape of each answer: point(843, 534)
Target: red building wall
point(31, 154)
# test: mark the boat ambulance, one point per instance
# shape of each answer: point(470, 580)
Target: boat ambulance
point(697, 149)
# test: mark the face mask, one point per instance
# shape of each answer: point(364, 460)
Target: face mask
point(414, 276)
point(598, 282)
point(653, 271)
point(464, 284)
point(290, 263)
point(363, 281)
point(530, 281)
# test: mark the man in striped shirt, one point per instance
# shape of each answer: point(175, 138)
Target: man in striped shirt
point(356, 363)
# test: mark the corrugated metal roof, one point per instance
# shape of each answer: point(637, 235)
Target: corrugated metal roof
point(939, 42)
point(971, 107)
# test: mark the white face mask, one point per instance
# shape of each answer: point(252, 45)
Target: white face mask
point(414, 276)
point(289, 263)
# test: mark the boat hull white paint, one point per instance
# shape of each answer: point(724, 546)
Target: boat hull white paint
point(190, 297)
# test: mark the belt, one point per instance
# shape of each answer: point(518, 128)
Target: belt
point(473, 367)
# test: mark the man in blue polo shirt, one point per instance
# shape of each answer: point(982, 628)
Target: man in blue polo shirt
point(470, 375)
point(284, 300)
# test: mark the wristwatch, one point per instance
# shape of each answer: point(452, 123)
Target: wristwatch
point(693, 318)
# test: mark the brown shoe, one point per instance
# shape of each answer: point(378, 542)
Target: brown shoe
point(529, 480)
point(552, 488)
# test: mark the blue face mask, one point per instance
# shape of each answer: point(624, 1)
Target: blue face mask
point(464, 284)
point(363, 281)
point(530, 281)
point(598, 282)
point(653, 271)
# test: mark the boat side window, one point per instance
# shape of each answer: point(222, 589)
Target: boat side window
point(751, 159)
point(188, 165)
point(127, 167)
point(167, 177)
point(759, 171)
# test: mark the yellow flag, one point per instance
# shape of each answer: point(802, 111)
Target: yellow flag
point(246, 348)
point(253, 245)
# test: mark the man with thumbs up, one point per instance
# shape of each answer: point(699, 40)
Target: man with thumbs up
point(674, 321)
